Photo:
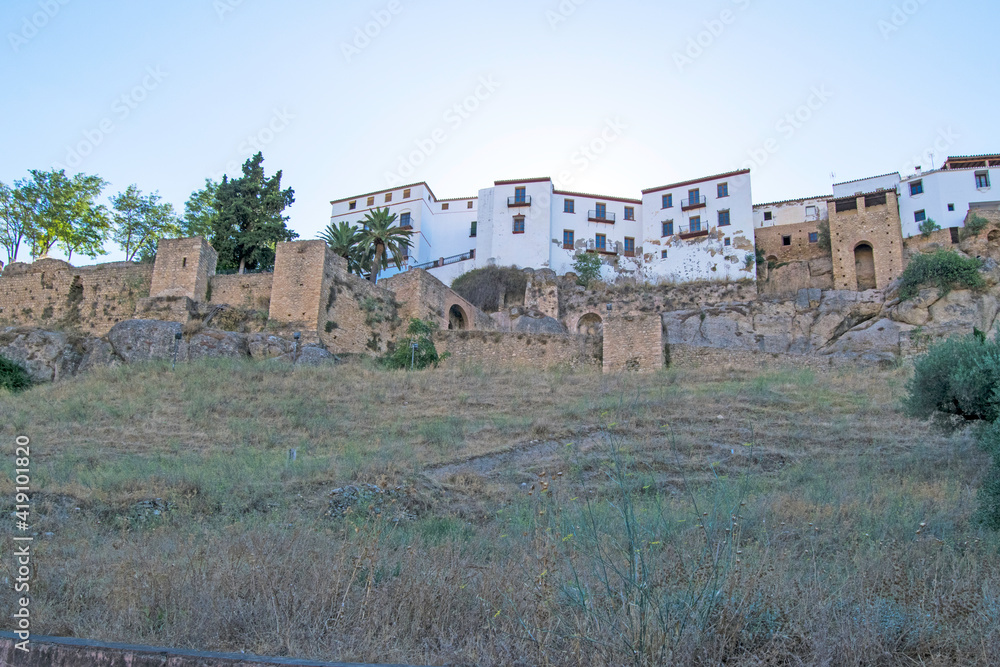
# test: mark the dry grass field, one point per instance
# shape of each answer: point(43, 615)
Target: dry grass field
point(773, 516)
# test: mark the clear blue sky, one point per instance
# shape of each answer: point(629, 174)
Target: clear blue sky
point(165, 94)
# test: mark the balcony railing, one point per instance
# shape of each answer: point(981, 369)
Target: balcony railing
point(693, 231)
point(445, 261)
point(695, 202)
point(601, 216)
point(518, 200)
point(609, 248)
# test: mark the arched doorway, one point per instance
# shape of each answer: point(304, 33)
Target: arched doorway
point(457, 319)
point(590, 324)
point(864, 266)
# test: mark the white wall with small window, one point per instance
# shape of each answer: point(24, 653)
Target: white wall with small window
point(945, 196)
point(686, 225)
point(791, 212)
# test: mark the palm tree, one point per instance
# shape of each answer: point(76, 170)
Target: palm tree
point(345, 240)
point(381, 236)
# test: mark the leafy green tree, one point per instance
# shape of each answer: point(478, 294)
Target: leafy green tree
point(200, 212)
point(140, 221)
point(345, 240)
point(250, 222)
point(587, 267)
point(823, 235)
point(381, 236)
point(957, 383)
point(16, 219)
point(63, 210)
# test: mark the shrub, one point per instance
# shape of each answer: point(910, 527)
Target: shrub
point(823, 238)
point(957, 383)
point(975, 225)
point(13, 376)
point(943, 268)
point(405, 357)
point(928, 227)
point(492, 287)
point(588, 268)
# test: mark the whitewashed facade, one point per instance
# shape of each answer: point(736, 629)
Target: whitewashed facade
point(528, 223)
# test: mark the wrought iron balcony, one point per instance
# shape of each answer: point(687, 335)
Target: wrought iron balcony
point(601, 216)
point(517, 201)
point(693, 231)
point(693, 203)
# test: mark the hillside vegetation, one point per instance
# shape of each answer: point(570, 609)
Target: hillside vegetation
point(506, 517)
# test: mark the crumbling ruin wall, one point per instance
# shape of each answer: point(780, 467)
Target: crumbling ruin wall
point(89, 299)
point(355, 316)
point(498, 349)
point(633, 342)
point(424, 297)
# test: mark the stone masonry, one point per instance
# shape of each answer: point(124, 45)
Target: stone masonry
point(183, 268)
point(633, 342)
point(866, 220)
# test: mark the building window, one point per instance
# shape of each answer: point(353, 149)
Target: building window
point(519, 224)
point(444, 207)
point(728, 241)
point(406, 194)
point(916, 188)
point(668, 228)
point(920, 216)
point(723, 189)
point(520, 195)
point(404, 220)
point(470, 205)
point(568, 239)
point(371, 201)
point(630, 213)
point(768, 216)
point(951, 207)
point(601, 242)
point(724, 218)
point(569, 206)
point(786, 240)
point(663, 254)
point(601, 210)
point(629, 247)
point(668, 201)
point(696, 223)
point(353, 205)
point(812, 213)
point(405, 252)
point(472, 231)
point(813, 237)
point(982, 179)
point(388, 197)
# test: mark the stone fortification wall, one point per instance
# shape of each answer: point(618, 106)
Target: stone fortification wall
point(90, 299)
point(771, 241)
point(250, 290)
point(786, 279)
point(424, 297)
point(633, 342)
point(873, 222)
point(356, 316)
point(494, 348)
point(183, 267)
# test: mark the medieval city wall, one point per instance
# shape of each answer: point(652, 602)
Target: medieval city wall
point(498, 349)
point(248, 290)
point(54, 294)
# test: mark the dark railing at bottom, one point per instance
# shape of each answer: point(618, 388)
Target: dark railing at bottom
point(445, 261)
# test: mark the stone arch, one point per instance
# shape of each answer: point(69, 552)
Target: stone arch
point(457, 318)
point(864, 266)
point(590, 324)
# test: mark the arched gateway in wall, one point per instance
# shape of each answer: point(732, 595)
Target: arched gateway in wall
point(590, 324)
point(864, 266)
point(458, 319)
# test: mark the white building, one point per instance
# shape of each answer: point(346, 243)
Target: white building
point(694, 230)
point(944, 195)
point(791, 212)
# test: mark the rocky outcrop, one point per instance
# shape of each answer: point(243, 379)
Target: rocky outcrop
point(49, 356)
point(530, 320)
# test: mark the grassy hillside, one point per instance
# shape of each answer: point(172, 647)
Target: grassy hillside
point(762, 516)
